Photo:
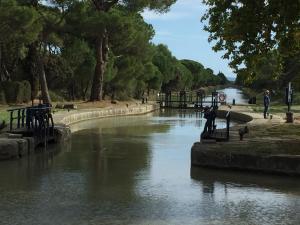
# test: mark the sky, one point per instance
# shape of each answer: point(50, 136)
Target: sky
point(182, 31)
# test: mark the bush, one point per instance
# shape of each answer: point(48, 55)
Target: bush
point(2, 97)
point(122, 96)
point(17, 92)
point(26, 91)
point(56, 97)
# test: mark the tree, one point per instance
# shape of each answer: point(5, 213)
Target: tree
point(165, 62)
point(51, 16)
point(202, 76)
point(80, 59)
point(18, 28)
point(103, 7)
point(245, 29)
point(222, 78)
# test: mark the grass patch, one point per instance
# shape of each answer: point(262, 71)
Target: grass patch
point(4, 115)
point(276, 108)
point(283, 130)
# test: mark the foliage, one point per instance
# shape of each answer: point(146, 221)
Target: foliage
point(249, 32)
point(2, 96)
point(16, 91)
point(55, 45)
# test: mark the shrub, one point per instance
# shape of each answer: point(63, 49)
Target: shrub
point(26, 91)
point(2, 96)
point(55, 97)
point(17, 92)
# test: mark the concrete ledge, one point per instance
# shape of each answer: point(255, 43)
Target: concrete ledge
point(9, 149)
point(237, 116)
point(202, 155)
point(78, 116)
point(62, 133)
point(12, 148)
point(249, 154)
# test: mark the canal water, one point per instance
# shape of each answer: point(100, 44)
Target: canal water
point(236, 94)
point(136, 170)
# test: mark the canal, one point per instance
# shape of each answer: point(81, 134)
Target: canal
point(136, 170)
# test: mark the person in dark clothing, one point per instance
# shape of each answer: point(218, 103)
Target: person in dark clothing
point(266, 103)
point(209, 115)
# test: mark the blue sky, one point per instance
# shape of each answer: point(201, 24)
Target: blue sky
point(182, 31)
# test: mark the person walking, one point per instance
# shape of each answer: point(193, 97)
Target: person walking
point(266, 103)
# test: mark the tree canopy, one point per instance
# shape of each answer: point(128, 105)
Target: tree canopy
point(92, 50)
point(250, 31)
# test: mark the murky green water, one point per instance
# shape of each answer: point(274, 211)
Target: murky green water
point(136, 170)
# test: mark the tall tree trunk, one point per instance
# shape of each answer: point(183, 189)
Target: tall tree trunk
point(101, 62)
point(31, 69)
point(4, 74)
point(38, 75)
point(1, 77)
point(43, 81)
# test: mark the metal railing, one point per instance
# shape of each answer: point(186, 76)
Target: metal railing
point(36, 119)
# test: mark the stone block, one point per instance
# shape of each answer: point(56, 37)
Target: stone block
point(22, 147)
point(30, 145)
point(62, 133)
point(14, 136)
point(9, 149)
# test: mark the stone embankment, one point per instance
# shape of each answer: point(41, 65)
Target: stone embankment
point(17, 146)
point(260, 150)
point(69, 118)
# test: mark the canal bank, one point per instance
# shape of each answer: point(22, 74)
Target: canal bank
point(17, 146)
point(271, 146)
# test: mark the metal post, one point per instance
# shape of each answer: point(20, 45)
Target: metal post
point(201, 103)
point(19, 118)
point(23, 117)
point(11, 120)
point(227, 125)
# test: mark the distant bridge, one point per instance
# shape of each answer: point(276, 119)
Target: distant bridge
point(190, 99)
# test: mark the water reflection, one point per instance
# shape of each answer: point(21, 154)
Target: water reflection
point(244, 179)
point(251, 198)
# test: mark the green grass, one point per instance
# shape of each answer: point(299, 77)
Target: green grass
point(267, 140)
point(277, 97)
point(283, 130)
point(4, 115)
point(276, 108)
